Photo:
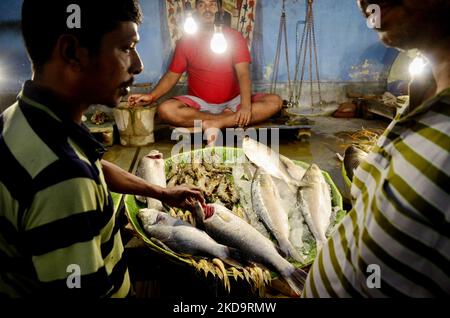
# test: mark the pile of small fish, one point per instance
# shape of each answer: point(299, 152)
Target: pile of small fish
point(265, 213)
point(213, 179)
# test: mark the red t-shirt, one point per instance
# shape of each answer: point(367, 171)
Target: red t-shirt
point(211, 76)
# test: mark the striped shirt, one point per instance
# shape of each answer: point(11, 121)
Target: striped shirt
point(396, 240)
point(56, 215)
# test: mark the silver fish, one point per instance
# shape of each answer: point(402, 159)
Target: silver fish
point(151, 169)
point(267, 205)
point(227, 228)
point(315, 203)
point(242, 177)
point(295, 171)
point(182, 237)
point(352, 159)
point(289, 202)
point(278, 167)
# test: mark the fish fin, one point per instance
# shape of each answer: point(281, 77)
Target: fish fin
point(280, 250)
point(161, 244)
point(303, 185)
point(295, 172)
point(296, 280)
point(236, 257)
point(290, 251)
point(281, 286)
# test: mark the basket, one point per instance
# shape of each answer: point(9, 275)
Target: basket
point(229, 156)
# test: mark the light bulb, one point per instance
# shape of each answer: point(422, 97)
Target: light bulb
point(417, 65)
point(190, 26)
point(218, 43)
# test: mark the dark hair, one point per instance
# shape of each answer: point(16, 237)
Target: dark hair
point(44, 21)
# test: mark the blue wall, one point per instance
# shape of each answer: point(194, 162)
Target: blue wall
point(348, 50)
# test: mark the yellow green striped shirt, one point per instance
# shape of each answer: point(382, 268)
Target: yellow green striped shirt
point(57, 218)
point(396, 240)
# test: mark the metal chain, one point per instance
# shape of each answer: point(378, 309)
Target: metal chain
point(276, 63)
point(282, 34)
point(307, 45)
point(316, 58)
point(298, 58)
point(305, 52)
point(310, 57)
point(288, 67)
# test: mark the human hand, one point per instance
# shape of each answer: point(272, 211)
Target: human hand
point(183, 197)
point(243, 116)
point(137, 100)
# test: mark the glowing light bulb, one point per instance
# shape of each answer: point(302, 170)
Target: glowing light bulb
point(190, 26)
point(218, 43)
point(417, 65)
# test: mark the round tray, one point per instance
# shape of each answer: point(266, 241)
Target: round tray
point(229, 156)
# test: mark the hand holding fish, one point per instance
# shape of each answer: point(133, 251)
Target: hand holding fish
point(183, 197)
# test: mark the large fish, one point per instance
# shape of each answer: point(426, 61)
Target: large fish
point(289, 201)
point(226, 228)
point(182, 237)
point(267, 204)
point(151, 169)
point(275, 164)
point(295, 171)
point(242, 176)
point(352, 159)
point(315, 203)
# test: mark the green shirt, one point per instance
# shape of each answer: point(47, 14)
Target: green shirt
point(56, 214)
point(396, 240)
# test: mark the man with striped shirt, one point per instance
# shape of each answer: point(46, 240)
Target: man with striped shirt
point(396, 240)
point(59, 235)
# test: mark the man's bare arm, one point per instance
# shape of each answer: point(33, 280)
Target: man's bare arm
point(165, 84)
point(121, 181)
point(244, 115)
point(245, 83)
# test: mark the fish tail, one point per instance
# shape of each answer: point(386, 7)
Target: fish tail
point(296, 280)
point(289, 250)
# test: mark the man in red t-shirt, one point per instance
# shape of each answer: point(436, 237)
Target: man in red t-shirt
point(220, 88)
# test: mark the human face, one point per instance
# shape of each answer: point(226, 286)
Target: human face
point(111, 71)
point(408, 24)
point(206, 11)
